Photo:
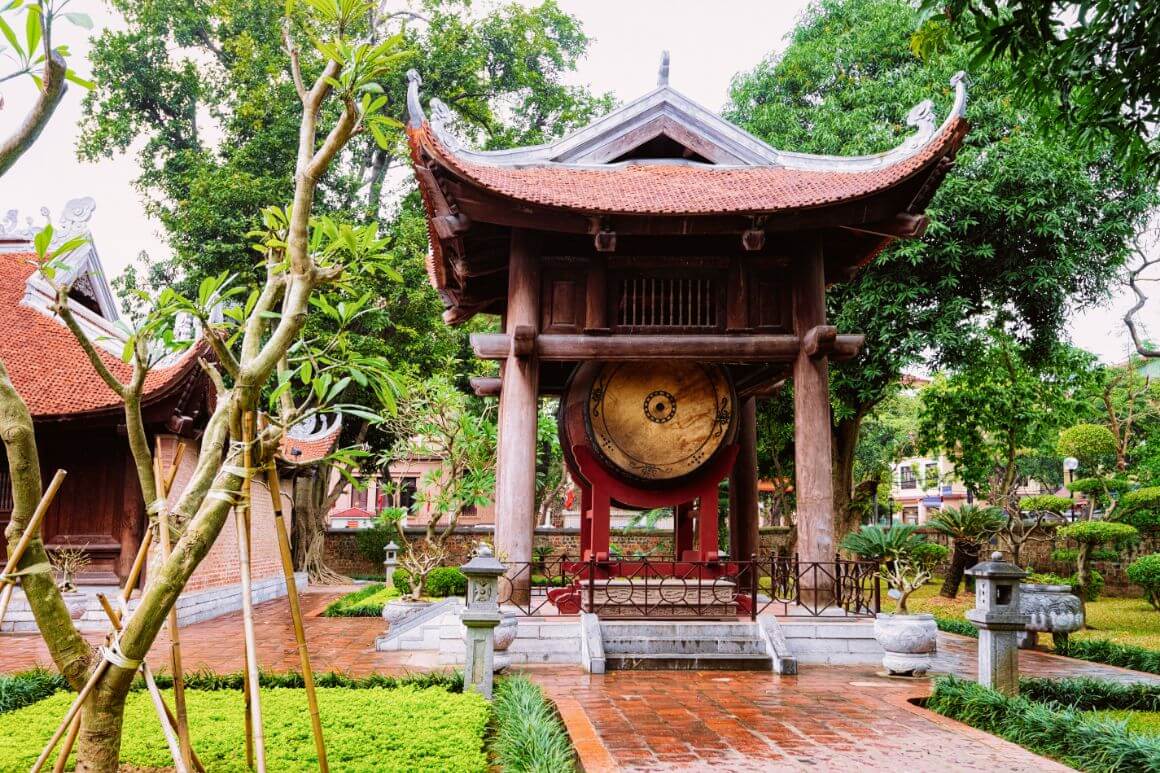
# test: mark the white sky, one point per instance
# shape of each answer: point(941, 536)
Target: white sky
point(709, 44)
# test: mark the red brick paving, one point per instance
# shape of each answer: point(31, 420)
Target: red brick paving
point(827, 718)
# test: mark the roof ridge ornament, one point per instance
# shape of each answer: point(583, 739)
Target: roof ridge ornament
point(415, 115)
point(663, 72)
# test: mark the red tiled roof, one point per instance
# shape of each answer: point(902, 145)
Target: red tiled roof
point(47, 365)
point(311, 450)
point(682, 189)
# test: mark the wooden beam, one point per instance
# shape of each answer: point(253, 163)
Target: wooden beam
point(551, 347)
point(819, 341)
point(902, 226)
point(523, 341)
point(485, 386)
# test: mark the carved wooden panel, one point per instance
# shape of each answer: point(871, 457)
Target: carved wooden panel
point(563, 302)
point(770, 308)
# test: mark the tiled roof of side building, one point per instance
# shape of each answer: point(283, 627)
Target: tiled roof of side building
point(47, 365)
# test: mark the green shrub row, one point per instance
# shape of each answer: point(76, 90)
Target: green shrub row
point(1088, 694)
point(441, 581)
point(956, 625)
point(19, 690)
point(1095, 586)
point(1104, 651)
point(367, 602)
point(452, 681)
point(529, 737)
point(1083, 741)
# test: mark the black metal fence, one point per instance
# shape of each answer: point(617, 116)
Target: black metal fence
point(668, 589)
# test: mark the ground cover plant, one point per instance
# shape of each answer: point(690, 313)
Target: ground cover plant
point(27, 687)
point(366, 602)
point(528, 734)
point(1087, 740)
point(367, 730)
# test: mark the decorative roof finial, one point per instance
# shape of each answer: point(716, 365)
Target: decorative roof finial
point(415, 115)
point(663, 74)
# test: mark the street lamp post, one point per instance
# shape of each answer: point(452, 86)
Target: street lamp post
point(1069, 467)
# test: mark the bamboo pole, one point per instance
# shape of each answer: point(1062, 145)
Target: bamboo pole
point(73, 711)
point(242, 522)
point(296, 614)
point(164, 715)
point(74, 730)
point(26, 539)
point(174, 636)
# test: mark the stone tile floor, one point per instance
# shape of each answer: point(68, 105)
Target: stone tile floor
point(827, 718)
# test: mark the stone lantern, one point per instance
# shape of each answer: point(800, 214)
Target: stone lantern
point(390, 561)
point(480, 619)
point(997, 616)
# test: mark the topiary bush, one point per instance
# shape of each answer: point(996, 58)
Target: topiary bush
point(401, 579)
point(1145, 572)
point(446, 581)
point(1046, 503)
point(1092, 444)
point(1097, 532)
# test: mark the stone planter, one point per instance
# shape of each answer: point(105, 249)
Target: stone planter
point(909, 642)
point(1052, 609)
point(398, 610)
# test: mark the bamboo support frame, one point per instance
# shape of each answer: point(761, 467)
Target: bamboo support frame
point(296, 614)
point(242, 521)
point(26, 539)
point(73, 711)
point(163, 524)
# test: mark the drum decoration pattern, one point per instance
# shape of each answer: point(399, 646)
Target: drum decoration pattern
point(659, 421)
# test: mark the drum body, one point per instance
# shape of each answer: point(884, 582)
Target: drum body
point(652, 423)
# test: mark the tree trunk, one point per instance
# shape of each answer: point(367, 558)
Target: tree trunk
point(1081, 576)
point(846, 519)
point(312, 504)
point(98, 745)
point(966, 555)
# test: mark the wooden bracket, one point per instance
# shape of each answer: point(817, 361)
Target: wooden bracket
point(523, 341)
point(605, 241)
point(819, 341)
point(902, 226)
point(451, 225)
point(485, 386)
point(753, 239)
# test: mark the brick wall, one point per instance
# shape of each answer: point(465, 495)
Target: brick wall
point(343, 556)
point(221, 566)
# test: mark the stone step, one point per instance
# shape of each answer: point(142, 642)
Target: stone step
point(706, 645)
point(682, 629)
point(674, 661)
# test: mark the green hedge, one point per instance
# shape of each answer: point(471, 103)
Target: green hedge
point(366, 602)
point(441, 581)
point(1084, 741)
point(366, 730)
point(1104, 651)
point(27, 687)
point(529, 736)
point(451, 681)
point(1088, 694)
point(956, 625)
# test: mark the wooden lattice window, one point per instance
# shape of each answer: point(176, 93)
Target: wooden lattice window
point(650, 303)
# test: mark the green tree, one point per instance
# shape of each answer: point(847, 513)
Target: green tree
point(1095, 63)
point(1029, 222)
point(969, 526)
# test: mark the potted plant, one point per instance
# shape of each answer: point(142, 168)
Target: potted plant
point(906, 561)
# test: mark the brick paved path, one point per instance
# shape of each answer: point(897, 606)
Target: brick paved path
point(827, 718)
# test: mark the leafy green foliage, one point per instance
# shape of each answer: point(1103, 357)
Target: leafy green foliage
point(969, 523)
point(1046, 503)
point(1104, 651)
point(873, 543)
point(366, 730)
point(529, 737)
point(367, 602)
point(373, 540)
point(1083, 741)
point(29, 51)
point(446, 581)
point(1092, 592)
point(907, 559)
point(1096, 532)
point(1147, 498)
point(452, 681)
point(1145, 572)
point(956, 625)
point(27, 687)
point(1071, 554)
point(1092, 64)
point(1090, 694)
point(1093, 445)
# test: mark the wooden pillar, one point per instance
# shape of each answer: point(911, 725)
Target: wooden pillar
point(682, 530)
point(811, 398)
point(707, 527)
point(515, 484)
point(744, 535)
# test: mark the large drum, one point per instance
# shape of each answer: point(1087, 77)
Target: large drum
point(653, 423)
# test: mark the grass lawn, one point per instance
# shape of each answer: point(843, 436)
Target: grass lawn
point(1143, 722)
point(366, 730)
point(1120, 620)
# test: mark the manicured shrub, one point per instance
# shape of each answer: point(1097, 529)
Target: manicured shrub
point(528, 734)
point(1145, 572)
point(1045, 503)
point(366, 602)
point(27, 687)
point(366, 730)
point(1070, 555)
point(1084, 741)
point(445, 581)
point(1104, 651)
point(1046, 578)
point(1092, 444)
point(956, 625)
point(1088, 694)
point(401, 579)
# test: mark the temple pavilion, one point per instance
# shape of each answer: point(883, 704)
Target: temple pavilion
point(660, 270)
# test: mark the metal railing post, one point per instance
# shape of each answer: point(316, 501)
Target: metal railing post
point(753, 586)
point(877, 590)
